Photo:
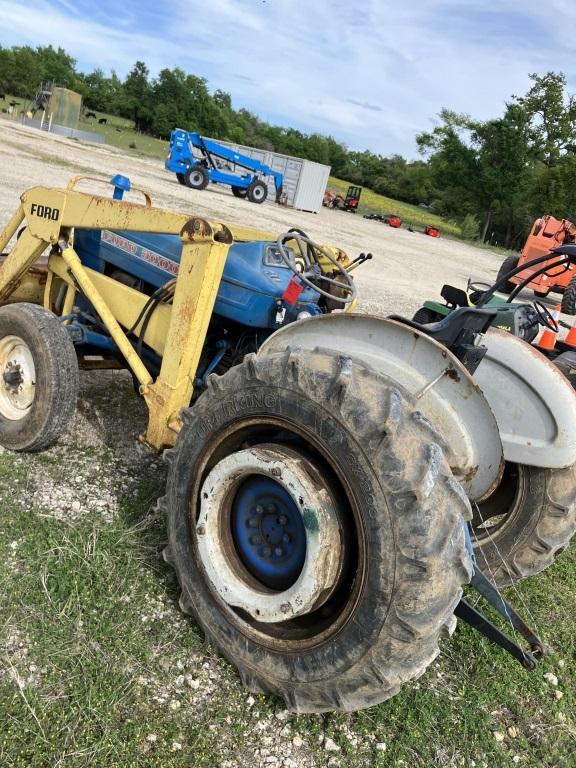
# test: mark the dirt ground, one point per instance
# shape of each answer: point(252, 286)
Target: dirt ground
point(407, 267)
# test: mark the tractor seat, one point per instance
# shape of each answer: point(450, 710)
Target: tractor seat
point(454, 297)
point(457, 332)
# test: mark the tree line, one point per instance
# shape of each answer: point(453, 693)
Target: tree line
point(492, 177)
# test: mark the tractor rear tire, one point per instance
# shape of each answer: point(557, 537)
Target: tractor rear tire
point(39, 385)
point(403, 557)
point(181, 178)
point(257, 192)
point(518, 531)
point(196, 177)
point(239, 192)
point(569, 298)
point(509, 263)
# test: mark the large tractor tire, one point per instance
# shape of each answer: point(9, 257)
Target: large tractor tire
point(315, 529)
point(509, 263)
point(39, 384)
point(530, 518)
point(569, 298)
point(240, 192)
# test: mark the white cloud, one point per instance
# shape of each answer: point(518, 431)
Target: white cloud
point(318, 64)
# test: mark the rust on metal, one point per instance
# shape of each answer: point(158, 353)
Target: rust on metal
point(196, 229)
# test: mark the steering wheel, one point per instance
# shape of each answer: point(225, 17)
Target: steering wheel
point(308, 257)
point(476, 290)
point(545, 317)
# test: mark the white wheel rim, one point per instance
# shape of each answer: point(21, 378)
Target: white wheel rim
point(258, 193)
point(322, 563)
point(18, 383)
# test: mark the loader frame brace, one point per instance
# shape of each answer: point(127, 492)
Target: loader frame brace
point(49, 217)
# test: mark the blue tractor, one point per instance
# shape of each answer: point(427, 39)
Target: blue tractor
point(196, 160)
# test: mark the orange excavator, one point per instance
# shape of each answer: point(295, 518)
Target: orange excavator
point(547, 233)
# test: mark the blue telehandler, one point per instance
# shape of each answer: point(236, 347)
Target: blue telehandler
point(196, 160)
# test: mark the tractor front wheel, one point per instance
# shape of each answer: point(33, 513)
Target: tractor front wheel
point(196, 177)
point(239, 192)
point(39, 384)
point(527, 521)
point(315, 529)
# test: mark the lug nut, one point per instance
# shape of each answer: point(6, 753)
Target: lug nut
point(282, 519)
point(278, 551)
point(266, 552)
point(255, 540)
point(286, 538)
point(271, 508)
point(259, 509)
point(253, 522)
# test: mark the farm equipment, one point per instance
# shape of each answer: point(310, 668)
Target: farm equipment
point(349, 203)
point(196, 160)
point(322, 464)
point(546, 235)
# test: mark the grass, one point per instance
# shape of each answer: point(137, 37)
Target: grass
point(98, 666)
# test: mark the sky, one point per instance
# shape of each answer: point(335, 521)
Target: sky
point(371, 73)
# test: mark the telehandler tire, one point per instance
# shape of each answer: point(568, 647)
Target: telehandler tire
point(509, 263)
point(257, 192)
point(239, 192)
point(518, 531)
point(181, 178)
point(39, 384)
point(316, 529)
point(568, 305)
point(196, 178)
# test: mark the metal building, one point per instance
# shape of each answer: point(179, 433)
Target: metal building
point(304, 181)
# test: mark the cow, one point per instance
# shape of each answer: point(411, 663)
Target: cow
point(3, 96)
point(102, 121)
point(90, 114)
point(14, 103)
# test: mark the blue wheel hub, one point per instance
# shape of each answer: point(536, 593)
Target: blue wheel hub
point(268, 532)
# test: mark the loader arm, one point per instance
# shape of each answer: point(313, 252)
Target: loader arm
point(49, 217)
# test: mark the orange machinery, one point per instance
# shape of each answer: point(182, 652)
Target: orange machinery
point(547, 233)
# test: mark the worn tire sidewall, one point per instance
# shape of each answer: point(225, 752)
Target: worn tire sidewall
point(359, 634)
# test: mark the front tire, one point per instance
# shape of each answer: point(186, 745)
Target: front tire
point(196, 177)
point(239, 192)
point(402, 556)
point(257, 192)
point(181, 178)
point(530, 518)
point(39, 384)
